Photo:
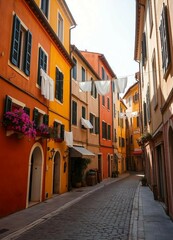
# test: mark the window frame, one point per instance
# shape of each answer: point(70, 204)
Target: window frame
point(60, 27)
point(59, 85)
point(44, 6)
point(74, 113)
point(164, 40)
point(21, 46)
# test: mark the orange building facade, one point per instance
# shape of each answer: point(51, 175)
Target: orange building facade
point(25, 49)
point(102, 67)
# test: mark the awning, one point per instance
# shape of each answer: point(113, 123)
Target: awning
point(139, 152)
point(81, 152)
point(86, 123)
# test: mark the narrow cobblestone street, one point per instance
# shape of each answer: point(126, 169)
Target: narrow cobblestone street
point(103, 215)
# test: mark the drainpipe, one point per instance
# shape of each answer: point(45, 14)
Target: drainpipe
point(69, 159)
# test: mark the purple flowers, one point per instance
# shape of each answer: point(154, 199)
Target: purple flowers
point(19, 121)
point(43, 130)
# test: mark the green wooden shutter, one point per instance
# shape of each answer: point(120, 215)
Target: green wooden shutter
point(28, 53)
point(46, 119)
point(57, 82)
point(42, 63)
point(62, 131)
point(97, 125)
point(27, 110)
point(91, 121)
point(35, 116)
point(8, 104)
point(15, 47)
point(144, 50)
point(61, 87)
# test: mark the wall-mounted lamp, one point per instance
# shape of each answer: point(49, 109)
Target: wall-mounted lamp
point(66, 152)
point(52, 151)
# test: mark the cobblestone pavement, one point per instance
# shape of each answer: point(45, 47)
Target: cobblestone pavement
point(102, 215)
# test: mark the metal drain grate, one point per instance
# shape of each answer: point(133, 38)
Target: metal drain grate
point(3, 230)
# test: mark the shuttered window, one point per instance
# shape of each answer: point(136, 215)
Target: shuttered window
point(59, 85)
point(144, 49)
point(42, 63)
point(74, 113)
point(59, 130)
point(21, 46)
point(164, 37)
point(45, 7)
point(74, 69)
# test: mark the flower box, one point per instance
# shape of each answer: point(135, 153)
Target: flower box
point(18, 122)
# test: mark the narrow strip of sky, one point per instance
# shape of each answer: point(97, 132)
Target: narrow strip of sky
point(107, 27)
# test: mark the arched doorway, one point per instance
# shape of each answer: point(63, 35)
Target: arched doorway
point(35, 176)
point(56, 173)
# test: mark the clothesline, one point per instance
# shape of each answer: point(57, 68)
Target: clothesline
point(104, 86)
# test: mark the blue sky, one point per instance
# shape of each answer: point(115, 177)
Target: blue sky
point(107, 27)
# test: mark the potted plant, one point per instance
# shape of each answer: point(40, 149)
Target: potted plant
point(144, 138)
point(18, 121)
point(43, 131)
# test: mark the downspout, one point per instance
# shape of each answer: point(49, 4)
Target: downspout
point(70, 98)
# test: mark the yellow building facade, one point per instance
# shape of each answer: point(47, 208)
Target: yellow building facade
point(121, 136)
point(58, 22)
point(133, 132)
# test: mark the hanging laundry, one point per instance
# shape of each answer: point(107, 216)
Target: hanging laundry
point(47, 86)
point(103, 87)
point(135, 114)
point(68, 138)
point(86, 123)
point(85, 86)
point(122, 115)
point(121, 84)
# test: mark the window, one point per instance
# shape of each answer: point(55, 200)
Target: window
point(83, 114)
point(115, 135)
point(103, 74)
point(104, 130)
point(103, 100)
point(109, 133)
point(59, 131)
point(74, 113)
point(121, 142)
point(42, 63)
point(108, 103)
point(39, 117)
point(93, 89)
point(145, 113)
point(11, 104)
point(164, 36)
point(148, 105)
point(74, 69)
point(59, 85)
point(95, 122)
point(150, 15)
point(21, 46)
point(154, 73)
point(60, 27)
point(45, 7)
point(144, 49)
point(136, 97)
point(83, 75)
